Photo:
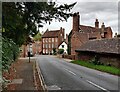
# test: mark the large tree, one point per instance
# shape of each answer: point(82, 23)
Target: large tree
point(20, 19)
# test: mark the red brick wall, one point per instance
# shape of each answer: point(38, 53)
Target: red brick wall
point(75, 44)
point(37, 47)
point(109, 33)
point(23, 52)
point(49, 42)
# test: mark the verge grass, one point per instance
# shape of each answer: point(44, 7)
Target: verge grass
point(104, 68)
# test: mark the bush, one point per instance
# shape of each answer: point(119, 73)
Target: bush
point(96, 61)
point(10, 52)
point(54, 51)
point(60, 51)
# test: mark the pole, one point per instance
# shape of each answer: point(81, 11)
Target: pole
point(29, 52)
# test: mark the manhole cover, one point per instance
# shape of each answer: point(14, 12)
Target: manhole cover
point(53, 87)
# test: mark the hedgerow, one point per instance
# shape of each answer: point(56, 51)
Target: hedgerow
point(10, 52)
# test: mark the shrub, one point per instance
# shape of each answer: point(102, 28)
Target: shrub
point(54, 51)
point(10, 52)
point(96, 61)
point(60, 51)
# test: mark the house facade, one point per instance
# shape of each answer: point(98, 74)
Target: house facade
point(81, 34)
point(63, 46)
point(51, 39)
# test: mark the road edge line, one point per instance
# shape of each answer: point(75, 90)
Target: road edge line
point(41, 77)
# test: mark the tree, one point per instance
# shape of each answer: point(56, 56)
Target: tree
point(38, 37)
point(21, 19)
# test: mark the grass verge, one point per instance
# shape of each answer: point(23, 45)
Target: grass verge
point(104, 68)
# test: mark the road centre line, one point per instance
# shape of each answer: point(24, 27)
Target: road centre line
point(98, 86)
point(70, 71)
point(90, 82)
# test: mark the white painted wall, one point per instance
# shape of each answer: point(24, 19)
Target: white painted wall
point(65, 47)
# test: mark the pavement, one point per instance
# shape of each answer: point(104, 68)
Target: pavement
point(25, 75)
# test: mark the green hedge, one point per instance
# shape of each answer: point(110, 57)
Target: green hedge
point(60, 51)
point(10, 52)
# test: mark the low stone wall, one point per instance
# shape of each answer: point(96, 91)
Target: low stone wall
point(106, 59)
point(69, 56)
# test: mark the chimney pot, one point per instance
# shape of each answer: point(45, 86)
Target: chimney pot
point(96, 23)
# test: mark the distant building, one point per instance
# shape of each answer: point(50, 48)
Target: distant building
point(35, 47)
point(51, 39)
point(63, 45)
point(81, 34)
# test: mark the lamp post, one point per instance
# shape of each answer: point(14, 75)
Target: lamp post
point(29, 52)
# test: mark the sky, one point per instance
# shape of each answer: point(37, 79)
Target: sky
point(105, 11)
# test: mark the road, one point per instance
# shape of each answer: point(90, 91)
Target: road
point(61, 75)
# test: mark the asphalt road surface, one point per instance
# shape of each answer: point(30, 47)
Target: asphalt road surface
point(61, 75)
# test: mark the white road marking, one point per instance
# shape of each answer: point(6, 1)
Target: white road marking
point(97, 86)
point(70, 71)
point(53, 87)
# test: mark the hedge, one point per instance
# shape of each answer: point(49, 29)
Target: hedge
point(10, 52)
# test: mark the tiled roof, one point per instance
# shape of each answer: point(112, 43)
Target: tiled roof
point(89, 29)
point(83, 37)
point(52, 33)
point(102, 46)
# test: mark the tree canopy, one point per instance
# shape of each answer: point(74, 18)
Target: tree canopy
point(37, 37)
point(21, 19)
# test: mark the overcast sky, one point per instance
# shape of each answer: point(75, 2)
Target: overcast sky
point(106, 12)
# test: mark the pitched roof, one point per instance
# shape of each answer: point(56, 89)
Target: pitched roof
point(89, 29)
point(62, 42)
point(52, 33)
point(83, 37)
point(102, 46)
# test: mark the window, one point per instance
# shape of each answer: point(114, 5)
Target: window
point(43, 40)
point(62, 46)
point(46, 51)
point(43, 45)
point(43, 50)
point(49, 39)
point(56, 40)
point(46, 39)
point(49, 46)
point(46, 45)
point(52, 39)
point(52, 45)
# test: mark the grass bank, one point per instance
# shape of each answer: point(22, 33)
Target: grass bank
point(104, 68)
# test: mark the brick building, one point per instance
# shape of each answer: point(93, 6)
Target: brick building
point(81, 34)
point(51, 39)
point(35, 48)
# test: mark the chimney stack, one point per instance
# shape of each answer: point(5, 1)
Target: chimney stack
point(96, 23)
point(76, 22)
point(103, 27)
